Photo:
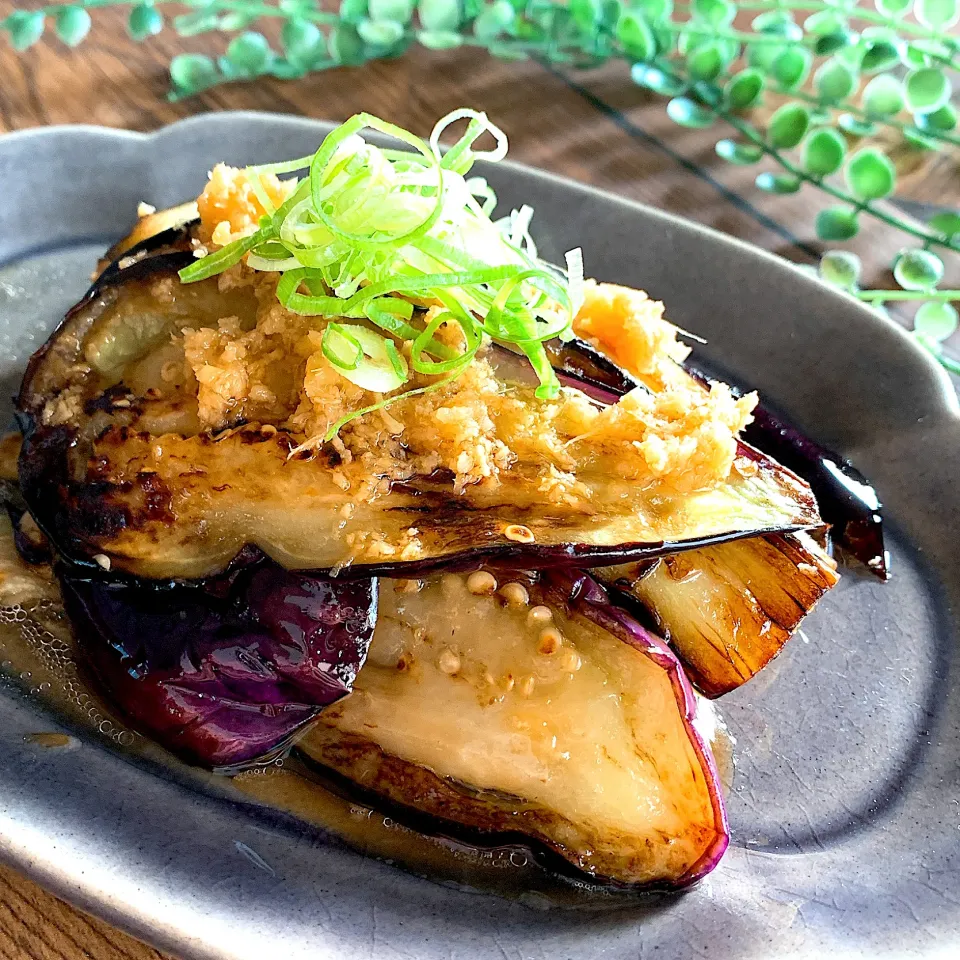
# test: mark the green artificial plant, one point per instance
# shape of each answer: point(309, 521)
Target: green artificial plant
point(840, 72)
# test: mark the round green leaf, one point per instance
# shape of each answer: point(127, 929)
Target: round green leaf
point(200, 21)
point(940, 121)
point(25, 28)
point(741, 154)
point(445, 14)
point(823, 152)
point(192, 72)
point(881, 55)
point(236, 20)
point(927, 89)
point(824, 22)
point(656, 11)
point(345, 45)
point(691, 37)
point(655, 79)
point(778, 183)
point(494, 20)
point(937, 14)
point(397, 11)
point(870, 174)
point(883, 96)
point(586, 14)
point(790, 69)
point(762, 55)
point(380, 33)
point(835, 80)
point(743, 89)
point(788, 125)
point(840, 268)
point(837, 223)
point(72, 25)
point(855, 126)
point(249, 53)
point(778, 23)
point(706, 63)
point(832, 42)
point(611, 10)
point(687, 113)
point(915, 56)
point(946, 223)
point(851, 54)
point(145, 21)
point(353, 11)
point(936, 319)
point(893, 8)
point(717, 13)
point(635, 34)
point(302, 41)
point(439, 39)
point(918, 270)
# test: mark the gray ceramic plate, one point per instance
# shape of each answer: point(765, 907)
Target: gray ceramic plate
point(846, 809)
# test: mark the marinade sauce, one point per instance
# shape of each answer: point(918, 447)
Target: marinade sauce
point(39, 656)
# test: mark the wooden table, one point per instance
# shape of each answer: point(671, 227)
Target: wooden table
point(595, 127)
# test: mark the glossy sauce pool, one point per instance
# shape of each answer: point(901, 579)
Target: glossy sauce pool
point(37, 655)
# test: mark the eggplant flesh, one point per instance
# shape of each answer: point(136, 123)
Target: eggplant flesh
point(559, 720)
point(727, 610)
point(115, 464)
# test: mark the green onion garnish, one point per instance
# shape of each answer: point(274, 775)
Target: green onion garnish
point(371, 231)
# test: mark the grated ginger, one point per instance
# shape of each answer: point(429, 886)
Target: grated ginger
point(629, 327)
point(228, 207)
point(476, 427)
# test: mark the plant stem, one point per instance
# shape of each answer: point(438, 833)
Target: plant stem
point(883, 295)
point(948, 363)
point(854, 13)
point(863, 114)
point(753, 135)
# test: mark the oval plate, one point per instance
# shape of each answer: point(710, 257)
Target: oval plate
point(845, 813)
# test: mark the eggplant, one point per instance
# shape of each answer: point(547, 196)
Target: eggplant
point(117, 468)
point(162, 230)
point(656, 359)
point(727, 610)
point(846, 499)
point(541, 714)
point(227, 671)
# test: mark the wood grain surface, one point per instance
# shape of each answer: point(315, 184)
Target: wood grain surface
point(595, 127)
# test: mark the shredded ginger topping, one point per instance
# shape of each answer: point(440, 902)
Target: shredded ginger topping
point(371, 233)
point(408, 390)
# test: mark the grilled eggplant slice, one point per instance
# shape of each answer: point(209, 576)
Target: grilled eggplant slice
point(225, 671)
point(116, 464)
point(540, 712)
point(727, 610)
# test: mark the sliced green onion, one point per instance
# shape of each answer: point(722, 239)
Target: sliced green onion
point(377, 370)
point(223, 259)
point(382, 404)
point(370, 234)
point(340, 347)
point(452, 364)
point(260, 191)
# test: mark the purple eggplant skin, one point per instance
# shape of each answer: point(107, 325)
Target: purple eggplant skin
point(223, 672)
point(847, 501)
point(583, 593)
